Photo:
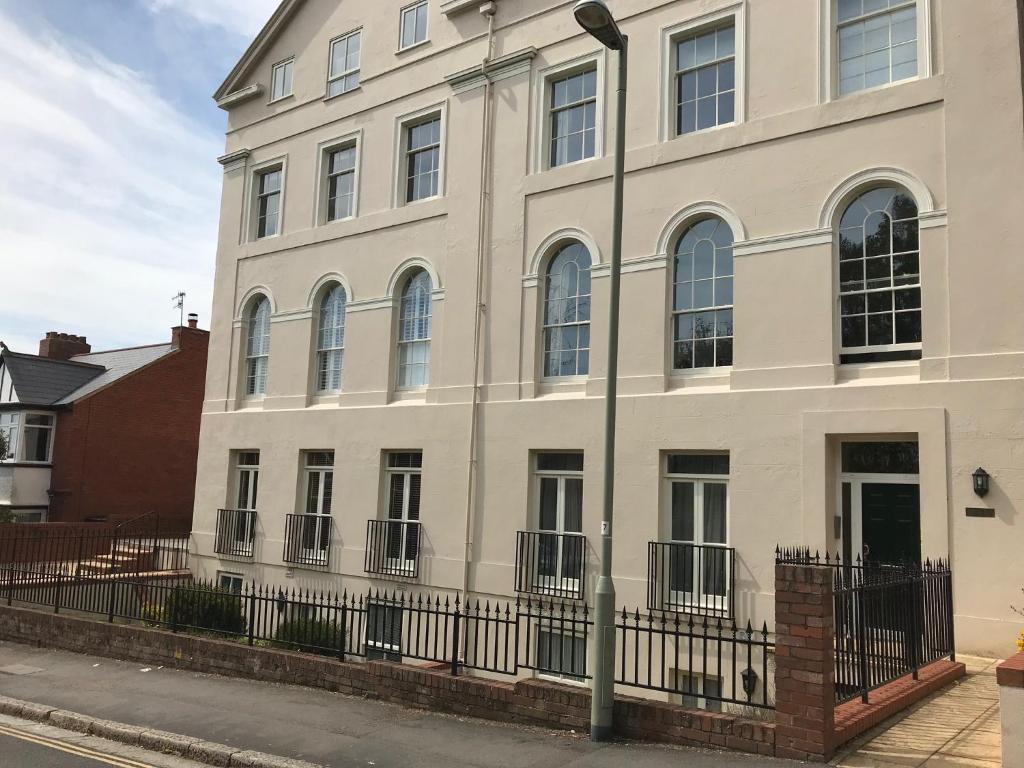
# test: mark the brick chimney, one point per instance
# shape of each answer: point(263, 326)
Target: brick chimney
point(190, 336)
point(63, 346)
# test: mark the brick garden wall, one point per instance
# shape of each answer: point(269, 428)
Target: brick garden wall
point(529, 702)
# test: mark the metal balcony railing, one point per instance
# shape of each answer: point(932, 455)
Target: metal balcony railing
point(551, 563)
point(691, 578)
point(393, 548)
point(307, 539)
point(236, 532)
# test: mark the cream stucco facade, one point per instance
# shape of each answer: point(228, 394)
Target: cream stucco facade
point(780, 175)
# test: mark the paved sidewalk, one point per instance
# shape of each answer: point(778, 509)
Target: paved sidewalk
point(339, 731)
point(958, 726)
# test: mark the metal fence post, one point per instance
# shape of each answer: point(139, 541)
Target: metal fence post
point(111, 599)
point(948, 579)
point(862, 654)
point(456, 643)
point(344, 630)
point(914, 638)
point(57, 591)
point(252, 615)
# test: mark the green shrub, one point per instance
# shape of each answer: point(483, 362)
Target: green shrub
point(204, 609)
point(313, 635)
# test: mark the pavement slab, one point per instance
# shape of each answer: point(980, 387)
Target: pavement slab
point(957, 727)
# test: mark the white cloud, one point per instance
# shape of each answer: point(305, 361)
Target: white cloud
point(245, 17)
point(108, 198)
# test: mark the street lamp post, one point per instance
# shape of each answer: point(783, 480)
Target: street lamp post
point(595, 17)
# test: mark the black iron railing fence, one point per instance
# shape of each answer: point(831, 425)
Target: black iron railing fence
point(691, 578)
point(551, 564)
point(891, 619)
point(393, 548)
point(708, 659)
point(711, 662)
point(307, 540)
point(236, 532)
point(43, 551)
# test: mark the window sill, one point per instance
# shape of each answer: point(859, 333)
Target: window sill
point(279, 99)
point(547, 168)
point(343, 93)
point(562, 386)
point(875, 88)
point(553, 678)
point(409, 395)
point(847, 373)
point(407, 48)
point(703, 131)
point(407, 203)
point(700, 377)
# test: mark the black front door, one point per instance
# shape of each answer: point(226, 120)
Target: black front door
point(891, 522)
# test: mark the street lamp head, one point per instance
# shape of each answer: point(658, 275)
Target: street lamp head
point(595, 17)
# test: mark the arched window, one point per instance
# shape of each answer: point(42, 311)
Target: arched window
point(257, 350)
point(879, 277)
point(330, 340)
point(702, 296)
point(567, 312)
point(414, 333)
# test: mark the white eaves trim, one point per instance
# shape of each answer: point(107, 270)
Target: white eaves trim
point(242, 94)
point(453, 7)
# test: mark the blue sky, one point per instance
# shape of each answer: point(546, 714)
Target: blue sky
point(109, 186)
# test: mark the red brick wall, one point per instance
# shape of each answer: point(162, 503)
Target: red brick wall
point(804, 663)
point(132, 447)
point(531, 702)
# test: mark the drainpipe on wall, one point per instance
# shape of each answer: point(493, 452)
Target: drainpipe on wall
point(483, 232)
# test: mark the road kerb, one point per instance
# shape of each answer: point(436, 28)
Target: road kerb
point(208, 752)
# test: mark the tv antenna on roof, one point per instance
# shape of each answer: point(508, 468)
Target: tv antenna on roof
point(179, 303)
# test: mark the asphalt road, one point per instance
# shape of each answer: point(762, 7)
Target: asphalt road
point(25, 744)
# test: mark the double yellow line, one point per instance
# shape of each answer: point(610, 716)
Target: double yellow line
point(72, 749)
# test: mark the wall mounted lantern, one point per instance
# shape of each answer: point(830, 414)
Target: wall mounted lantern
point(980, 477)
point(749, 681)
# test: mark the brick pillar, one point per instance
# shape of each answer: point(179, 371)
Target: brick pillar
point(804, 663)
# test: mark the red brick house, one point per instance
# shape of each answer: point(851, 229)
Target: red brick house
point(102, 436)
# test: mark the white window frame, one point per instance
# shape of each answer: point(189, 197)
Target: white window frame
point(22, 441)
point(279, 67)
point(718, 603)
point(401, 343)
point(401, 563)
point(558, 583)
point(252, 216)
point(402, 125)
point(248, 357)
point(413, 8)
point(705, 22)
point(837, 330)
point(673, 313)
point(10, 425)
point(230, 581)
point(352, 139)
point(357, 70)
point(325, 476)
point(389, 609)
point(545, 281)
point(321, 352)
point(253, 470)
point(542, 107)
point(828, 64)
point(562, 677)
point(697, 697)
